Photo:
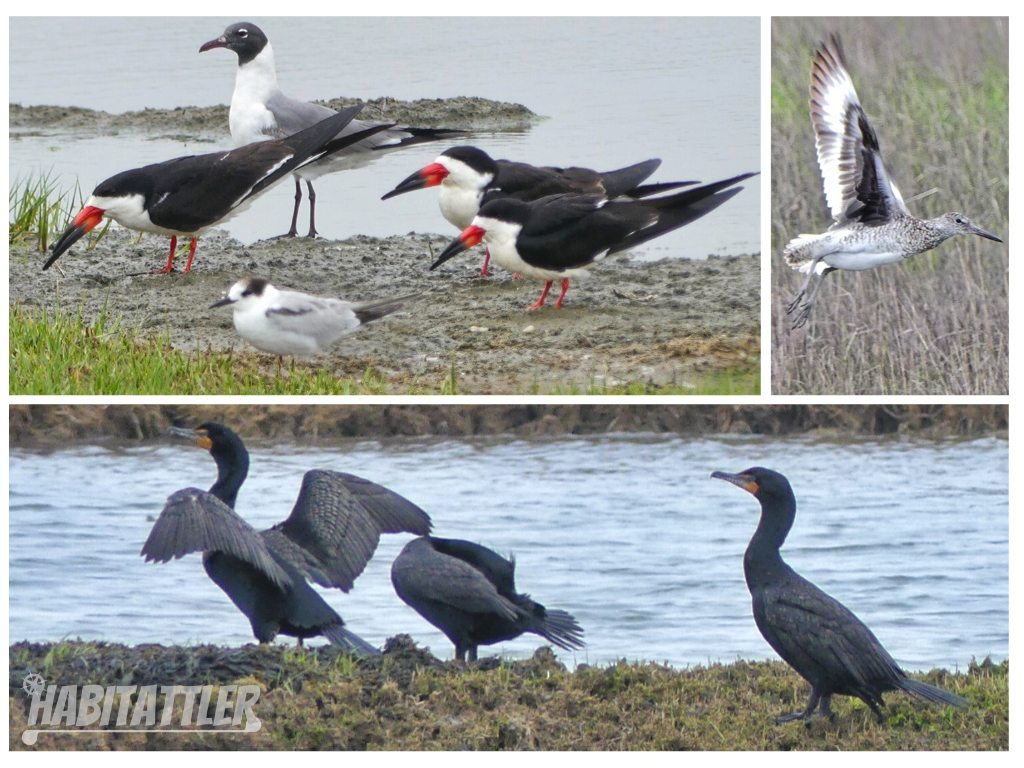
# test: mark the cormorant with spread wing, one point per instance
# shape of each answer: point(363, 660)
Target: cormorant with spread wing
point(328, 538)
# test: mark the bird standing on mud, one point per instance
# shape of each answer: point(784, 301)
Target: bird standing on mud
point(260, 111)
point(469, 593)
point(468, 177)
point(560, 236)
point(188, 195)
point(328, 538)
point(285, 322)
point(814, 633)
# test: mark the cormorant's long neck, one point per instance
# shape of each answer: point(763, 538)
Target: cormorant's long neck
point(232, 467)
point(762, 560)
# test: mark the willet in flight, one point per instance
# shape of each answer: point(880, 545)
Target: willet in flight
point(872, 225)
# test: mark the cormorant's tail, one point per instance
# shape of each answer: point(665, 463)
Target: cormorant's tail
point(560, 628)
point(932, 693)
point(341, 637)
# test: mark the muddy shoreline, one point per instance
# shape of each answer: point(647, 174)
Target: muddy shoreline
point(468, 113)
point(662, 323)
point(657, 322)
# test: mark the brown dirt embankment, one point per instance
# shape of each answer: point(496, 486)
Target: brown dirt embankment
point(54, 425)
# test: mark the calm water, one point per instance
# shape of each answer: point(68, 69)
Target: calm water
point(616, 91)
point(627, 533)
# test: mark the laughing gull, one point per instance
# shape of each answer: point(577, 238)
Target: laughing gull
point(260, 111)
point(468, 177)
point(188, 195)
point(560, 236)
point(872, 225)
point(287, 322)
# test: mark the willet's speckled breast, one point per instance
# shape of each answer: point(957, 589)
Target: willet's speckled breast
point(872, 225)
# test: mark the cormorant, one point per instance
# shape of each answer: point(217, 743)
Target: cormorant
point(814, 633)
point(329, 537)
point(469, 593)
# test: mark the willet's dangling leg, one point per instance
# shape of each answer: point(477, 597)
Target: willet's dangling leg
point(811, 273)
point(805, 311)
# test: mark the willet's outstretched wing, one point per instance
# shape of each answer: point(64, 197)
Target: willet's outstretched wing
point(857, 186)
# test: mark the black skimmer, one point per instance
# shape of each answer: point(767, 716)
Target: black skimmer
point(287, 322)
point(871, 224)
point(187, 195)
point(469, 593)
point(560, 236)
point(468, 177)
point(260, 111)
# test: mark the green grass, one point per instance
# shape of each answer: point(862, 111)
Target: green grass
point(39, 211)
point(57, 354)
point(53, 353)
point(408, 700)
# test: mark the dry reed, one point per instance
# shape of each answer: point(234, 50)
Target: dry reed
point(936, 90)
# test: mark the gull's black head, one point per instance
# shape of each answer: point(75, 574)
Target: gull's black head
point(244, 38)
point(765, 484)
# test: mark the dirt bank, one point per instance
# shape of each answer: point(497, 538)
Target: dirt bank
point(629, 321)
point(210, 123)
point(52, 426)
point(408, 699)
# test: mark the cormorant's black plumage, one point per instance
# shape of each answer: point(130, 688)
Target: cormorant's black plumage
point(469, 593)
point(328, 538)
point(814, 633)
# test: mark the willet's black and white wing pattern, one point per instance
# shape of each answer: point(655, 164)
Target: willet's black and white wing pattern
point(857, 185)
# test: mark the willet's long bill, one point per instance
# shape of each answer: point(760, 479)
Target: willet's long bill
point(872, 225)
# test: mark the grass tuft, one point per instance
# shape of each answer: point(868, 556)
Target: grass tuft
point(59, 354)
point(40, 211)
